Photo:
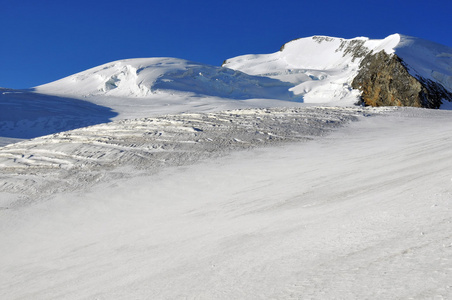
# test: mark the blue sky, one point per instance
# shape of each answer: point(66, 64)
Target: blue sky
point(42, 41)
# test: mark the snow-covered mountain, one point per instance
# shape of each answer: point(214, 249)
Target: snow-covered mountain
point(397, 70)
point(316, 69)
point(221, 202)
point(324, 68)
point(146, 77)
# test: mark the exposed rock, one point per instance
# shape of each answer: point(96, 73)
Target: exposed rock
point(355, 48)
point(385, 81)
point(284, 46)
point(320, 39)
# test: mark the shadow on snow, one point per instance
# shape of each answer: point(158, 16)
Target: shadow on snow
point(25, 115)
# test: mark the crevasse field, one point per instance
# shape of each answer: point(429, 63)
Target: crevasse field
point(240, 198)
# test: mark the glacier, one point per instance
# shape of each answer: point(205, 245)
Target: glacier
point(161, 178)
point(317, 70)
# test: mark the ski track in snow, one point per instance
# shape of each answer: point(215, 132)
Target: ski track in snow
point(361, 213)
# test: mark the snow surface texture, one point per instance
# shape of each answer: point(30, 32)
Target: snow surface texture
point(277, 203)
point(362, 213)
point(24, 114)
point(133, 88)
point(74, 159)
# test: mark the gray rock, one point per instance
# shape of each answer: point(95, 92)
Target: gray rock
point(384, 80)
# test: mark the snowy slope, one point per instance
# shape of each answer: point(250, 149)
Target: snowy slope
point(316, 69)
point(363, 213)
point(279, 203)
point(134, 88)
point(28, 115)
point(76, 159)
point(147, 76)
point(427, 59)
point(311, 70)
point(322, 68)
point(25, 114)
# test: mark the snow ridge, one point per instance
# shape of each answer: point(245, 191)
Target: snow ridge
point(146, 77)
point(315, 69)
point(321, 68)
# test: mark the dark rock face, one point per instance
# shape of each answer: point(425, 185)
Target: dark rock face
point(384, 80)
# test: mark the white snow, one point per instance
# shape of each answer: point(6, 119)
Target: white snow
point(71, 160)
point(200, 182)
point(134, 88)
point(322, 67)
point(363, 213)
point(316, 70)
point(427, 59)
point(152, 77)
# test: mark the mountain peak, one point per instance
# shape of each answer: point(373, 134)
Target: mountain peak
point(323, 68)
point(149, 77)
point(314, 69)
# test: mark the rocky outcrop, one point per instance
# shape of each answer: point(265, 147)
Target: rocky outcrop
point(384, 80)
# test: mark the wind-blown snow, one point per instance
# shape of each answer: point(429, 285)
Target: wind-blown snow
point(363, 213)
